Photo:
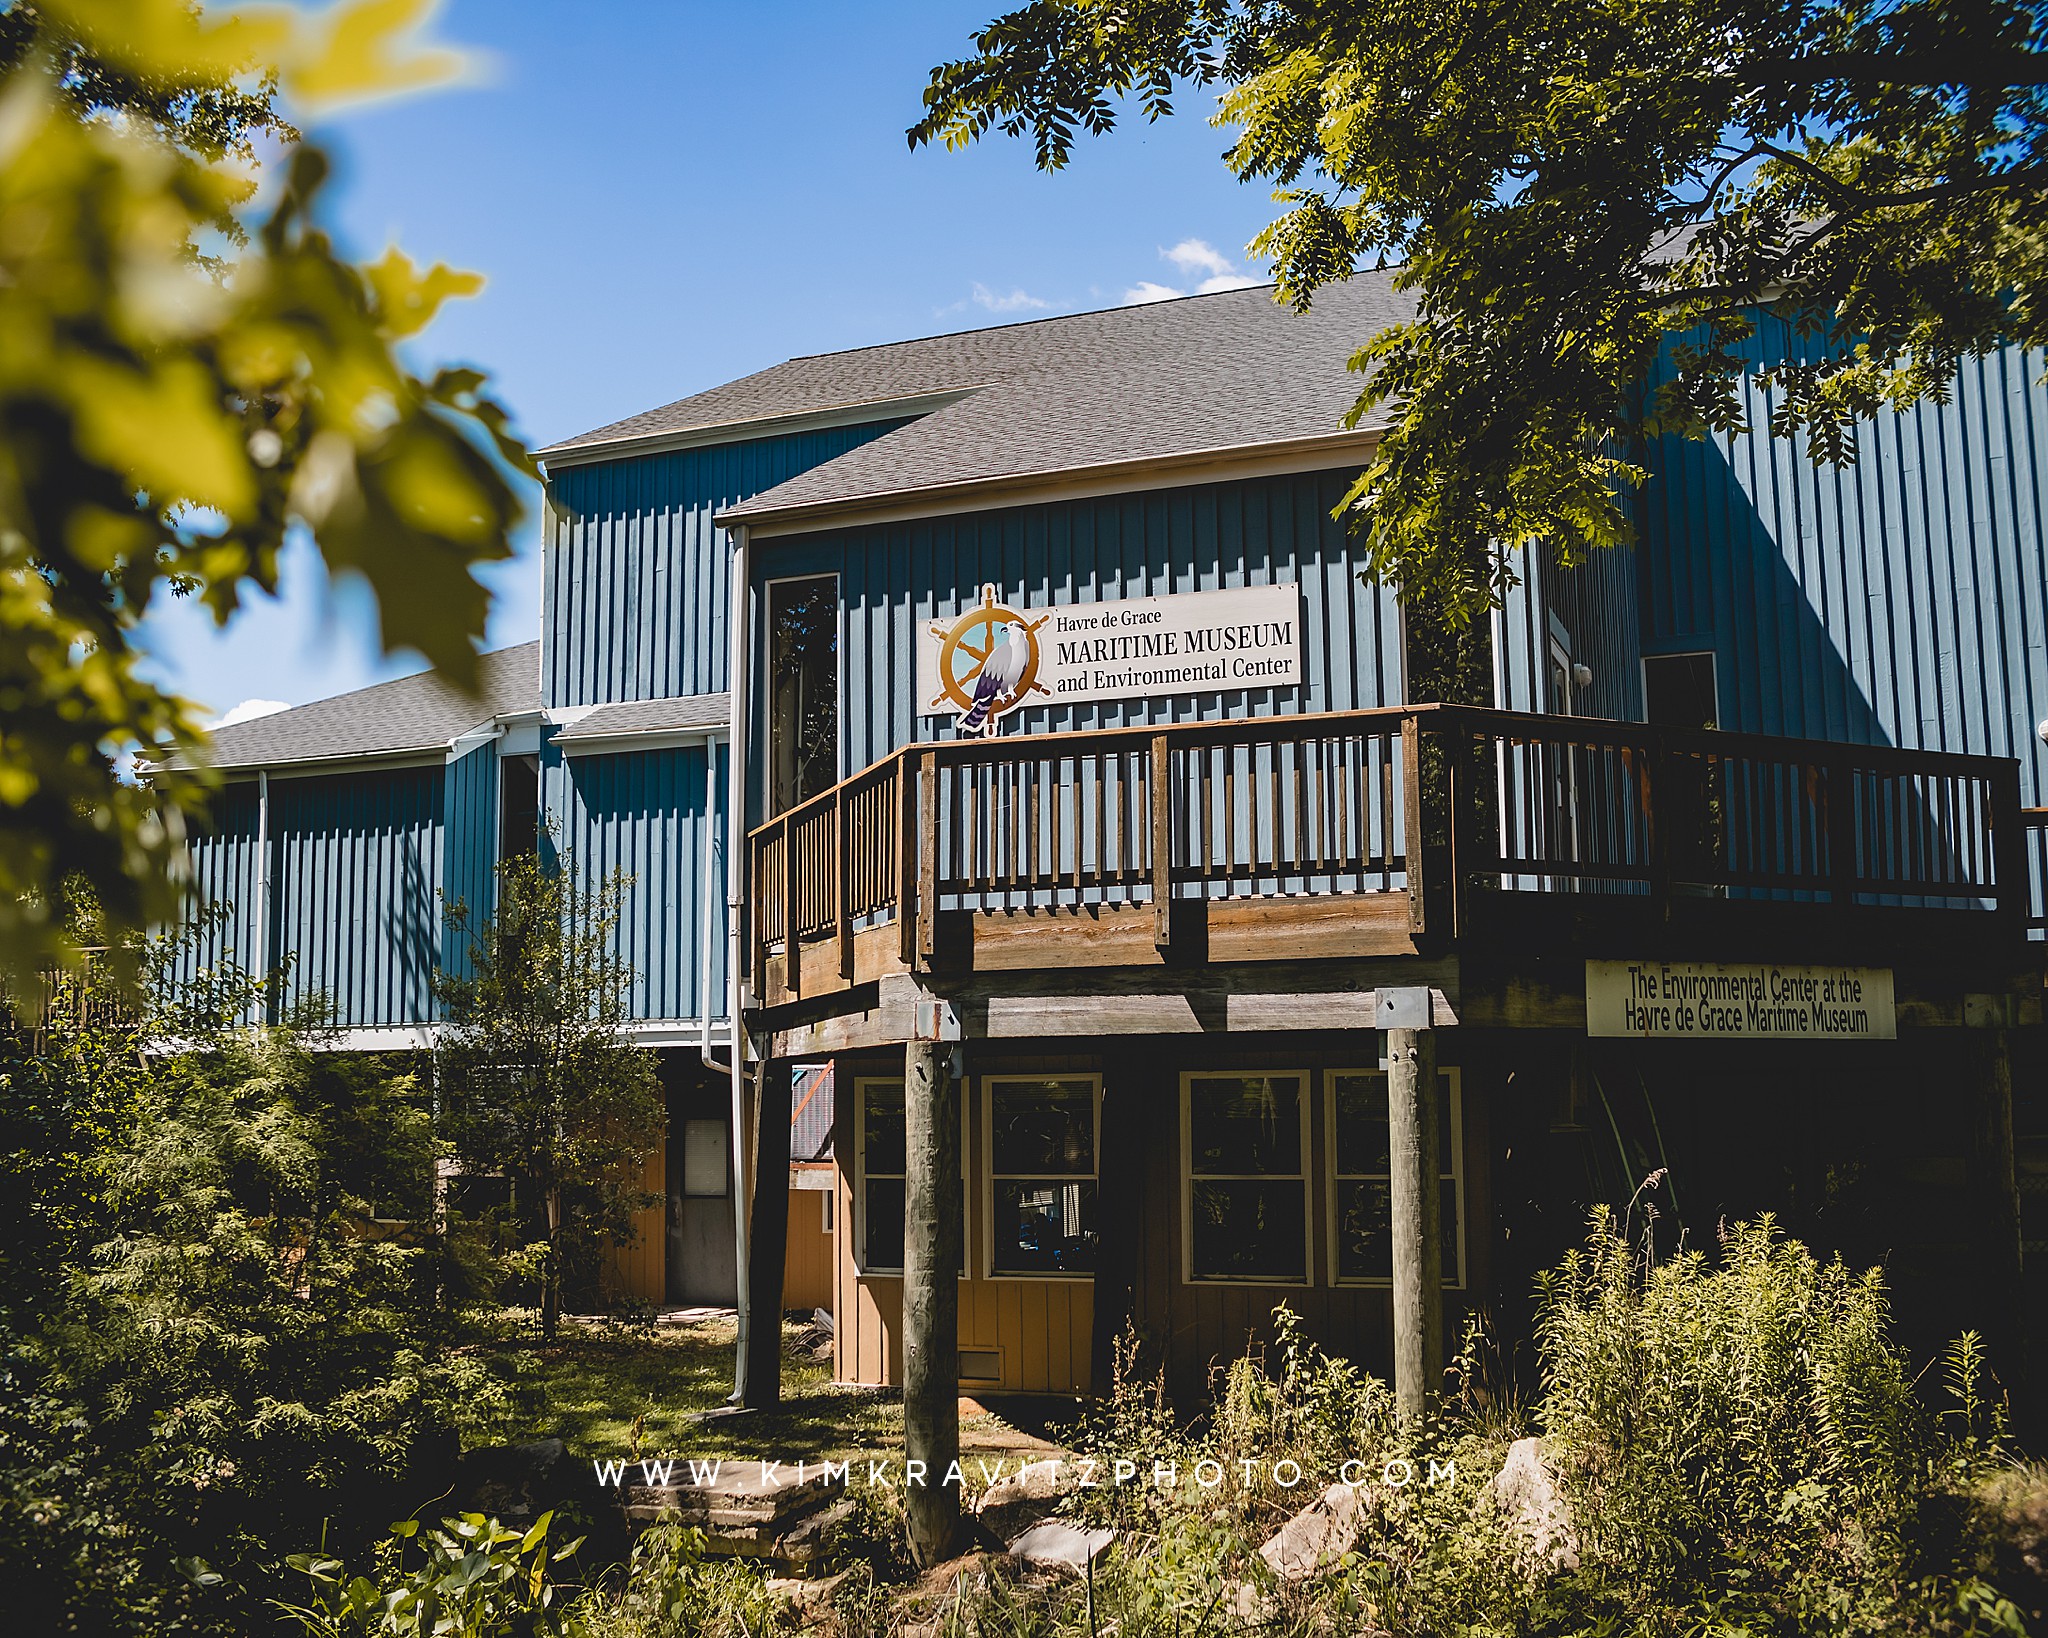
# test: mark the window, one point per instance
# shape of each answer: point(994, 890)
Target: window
point(1042, 1136)
point(878, 1179)
point(518, 806)
point(803, 689)
point(879, 1153)
point(1361, 1248)
point(705, 1152)
point(1679, 691)
point(1244, 1177)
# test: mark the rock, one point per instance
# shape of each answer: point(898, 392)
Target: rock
point(1526, 1490)
point(1017, 1501)
point(1051, 1545)
point(1316, 1537)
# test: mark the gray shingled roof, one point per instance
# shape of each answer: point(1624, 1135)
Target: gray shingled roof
point(417, 713)
point(1129, 383)
point(684, 711)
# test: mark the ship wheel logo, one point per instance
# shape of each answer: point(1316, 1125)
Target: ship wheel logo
point(988, 663)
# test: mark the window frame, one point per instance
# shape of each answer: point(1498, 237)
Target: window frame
point(1331, 1176)
point(987, 1171)
point(1713, 659)
point(1306, 1177)
point(765, 615)
point(858, 1216)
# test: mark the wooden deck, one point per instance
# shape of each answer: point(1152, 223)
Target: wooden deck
point(1358, 836)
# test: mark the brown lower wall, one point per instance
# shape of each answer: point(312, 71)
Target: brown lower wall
point(1859, 1148)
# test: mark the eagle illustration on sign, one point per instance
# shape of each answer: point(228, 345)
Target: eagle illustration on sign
point(988, 664)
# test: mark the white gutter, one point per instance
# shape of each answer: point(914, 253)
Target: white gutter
point(735, 857)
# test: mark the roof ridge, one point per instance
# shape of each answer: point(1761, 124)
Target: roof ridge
point(1018, 324)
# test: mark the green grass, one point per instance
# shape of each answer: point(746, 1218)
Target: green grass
point(608, 1390)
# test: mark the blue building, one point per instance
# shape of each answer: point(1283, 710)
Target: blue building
point(1016, 689)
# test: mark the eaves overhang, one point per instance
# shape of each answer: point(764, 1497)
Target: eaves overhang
point(1178, 470)
point(851, 414)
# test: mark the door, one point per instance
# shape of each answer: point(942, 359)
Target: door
point(701, 1271)
point(1562, 821)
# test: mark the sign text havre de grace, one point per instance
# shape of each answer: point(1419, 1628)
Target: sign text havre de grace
point(1117, 648)
point(1718, 1001)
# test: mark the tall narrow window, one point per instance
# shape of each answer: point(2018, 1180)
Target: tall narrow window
point(518, 806)
point(1362, 1178)
point(879, 1176)
point(1042, 1136)
point(803, 689)
point(880, 1148)
point(1245, 1177)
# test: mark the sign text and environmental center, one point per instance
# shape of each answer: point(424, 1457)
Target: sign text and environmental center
point(992, 658)
point(1716, 1001)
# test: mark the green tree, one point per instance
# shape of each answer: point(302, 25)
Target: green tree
point(234, 1337)
point(1570, 190)
point(177, 396)
point(535, 1078)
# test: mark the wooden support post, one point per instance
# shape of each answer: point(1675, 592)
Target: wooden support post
point(842, 883)
point(908, 900)
point(1121, 1163)
point(1411, 824)
point(1162, 842)
point(1994, 1181)
point(767, 1238)
point(931, 1298)
point(792, 940)
point(927, 856)
point(1417, 1212)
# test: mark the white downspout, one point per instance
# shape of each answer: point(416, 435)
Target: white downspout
point(704, 902)
point(735, 904)
point(263, 887)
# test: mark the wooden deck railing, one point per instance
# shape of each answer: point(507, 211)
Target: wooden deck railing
point(1298, 806)
point(2035, 823)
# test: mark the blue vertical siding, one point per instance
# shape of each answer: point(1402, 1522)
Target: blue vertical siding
point(897, 577)
point(226, 885)
point(635, 578)
point(1903, 600)
point(642, 814)
point(469, 850)
point(1596, 605)
point(356, 890)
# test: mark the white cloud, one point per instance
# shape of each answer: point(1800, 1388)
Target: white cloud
point(1017, 301)
point(249, 710)
point(1192, 256)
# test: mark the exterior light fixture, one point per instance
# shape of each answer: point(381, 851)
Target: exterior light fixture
point(1582, 677)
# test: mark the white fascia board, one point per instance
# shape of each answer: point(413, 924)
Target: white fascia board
point(766, 426)
point(647, 1032)
point(462, 744)
point(678, 1032)
point(651, 739)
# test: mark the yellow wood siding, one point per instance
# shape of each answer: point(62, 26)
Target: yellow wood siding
point(1040, 1328)
point(807, 1271)
point(635, 1271)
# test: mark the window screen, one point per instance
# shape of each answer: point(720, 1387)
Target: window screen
point(1362, 1176)
point(1042, 1176)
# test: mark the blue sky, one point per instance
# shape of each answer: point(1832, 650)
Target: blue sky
point(666, 196)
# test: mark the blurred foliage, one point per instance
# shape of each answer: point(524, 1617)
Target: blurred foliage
point(177, 395)
point(1570, 191)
